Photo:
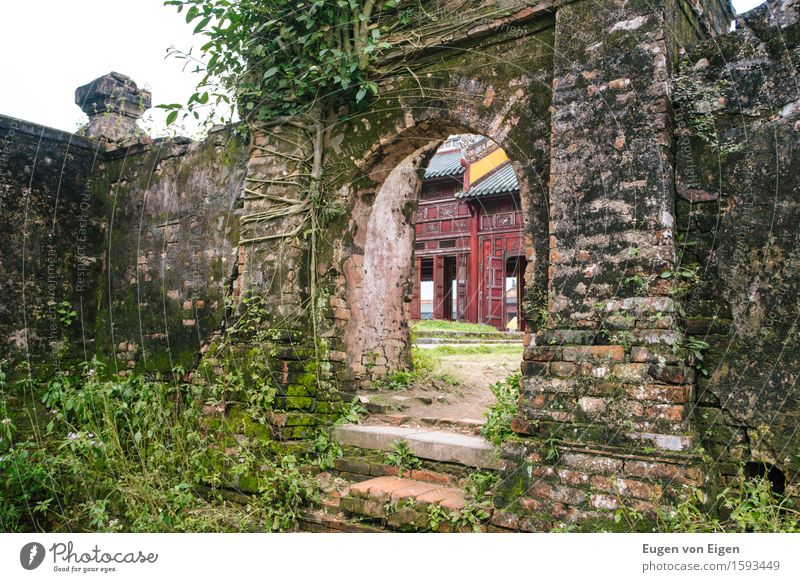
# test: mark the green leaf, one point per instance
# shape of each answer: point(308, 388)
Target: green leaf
point(173, 115)
point(361, 93)
point(202, 24)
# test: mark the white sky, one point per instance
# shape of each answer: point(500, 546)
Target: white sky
point(50, 47)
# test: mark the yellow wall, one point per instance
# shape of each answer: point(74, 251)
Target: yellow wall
point(479, 169)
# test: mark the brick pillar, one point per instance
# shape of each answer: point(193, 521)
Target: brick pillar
point(603, 417)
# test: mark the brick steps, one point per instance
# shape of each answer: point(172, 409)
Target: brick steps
point(440, 446)
point(402, 504)
point(384, 404)
point(357, 469)
point(317, 521)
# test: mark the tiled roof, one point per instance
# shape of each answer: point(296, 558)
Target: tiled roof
point(445, 164)
point(503, 180)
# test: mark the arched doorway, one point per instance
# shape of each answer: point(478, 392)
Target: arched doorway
point(477, 242)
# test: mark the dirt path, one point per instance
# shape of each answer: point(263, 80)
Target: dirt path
point(459, 389)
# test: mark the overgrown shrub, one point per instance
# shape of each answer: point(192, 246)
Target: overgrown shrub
point(131, 454)
point(749, 506)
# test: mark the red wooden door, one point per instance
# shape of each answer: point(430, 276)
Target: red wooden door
point(415, 295)
point(438, 288)
point(493, 288)
point(462, 268)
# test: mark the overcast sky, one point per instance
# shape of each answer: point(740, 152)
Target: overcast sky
point(50, 47)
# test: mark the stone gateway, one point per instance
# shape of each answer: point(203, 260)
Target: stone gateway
point(656, 157)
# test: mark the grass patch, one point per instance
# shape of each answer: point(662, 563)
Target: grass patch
point(474, 350)
point(444, 325)
point(425, 367)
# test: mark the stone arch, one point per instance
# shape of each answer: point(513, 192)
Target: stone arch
point(379, 274)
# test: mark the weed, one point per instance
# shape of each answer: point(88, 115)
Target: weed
point(437, 515)
point(402, 457)
point(498, 418)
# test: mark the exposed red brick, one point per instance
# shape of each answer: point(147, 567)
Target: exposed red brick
point(601, 501)
point(506, 520)
point(659, 392)
point(522, 426)
point(629, 487)
point(529, 504)
point(592, 406)
point(603, 483)
point(664, 471)
point(409, 489)
point(363, 489)
point(542, 471)
point(430, 477)
point(671, 412)
point(563, 512)
point(672, 374)
point(563, 368)
point(541, 490)
point(594, 354)
point(542, 353)
point(561, 493)
point(634, 372)
point(574, 478)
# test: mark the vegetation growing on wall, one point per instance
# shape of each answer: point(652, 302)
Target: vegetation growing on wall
point(154, 454)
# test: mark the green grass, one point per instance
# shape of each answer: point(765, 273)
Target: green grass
point(442, 325)
point(474, 350)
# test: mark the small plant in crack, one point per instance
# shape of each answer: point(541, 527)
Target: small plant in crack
point(402, 457)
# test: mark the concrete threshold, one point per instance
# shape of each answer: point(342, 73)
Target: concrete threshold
point(433, 445)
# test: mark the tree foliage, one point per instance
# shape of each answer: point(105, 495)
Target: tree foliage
point(284, 57)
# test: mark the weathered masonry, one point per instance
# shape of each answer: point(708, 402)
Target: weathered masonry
point(657, 159)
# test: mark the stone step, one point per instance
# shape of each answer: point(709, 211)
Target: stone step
point(461, 425)
point(433, 445)
point(474, 335)
point(382, 403)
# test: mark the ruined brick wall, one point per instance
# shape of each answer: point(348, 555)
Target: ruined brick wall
point(606, 396)
point(141, 241)
point(738, 129)
point(171, 252)
point(51, 236)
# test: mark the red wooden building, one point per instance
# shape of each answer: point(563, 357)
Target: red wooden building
point(469, 250)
